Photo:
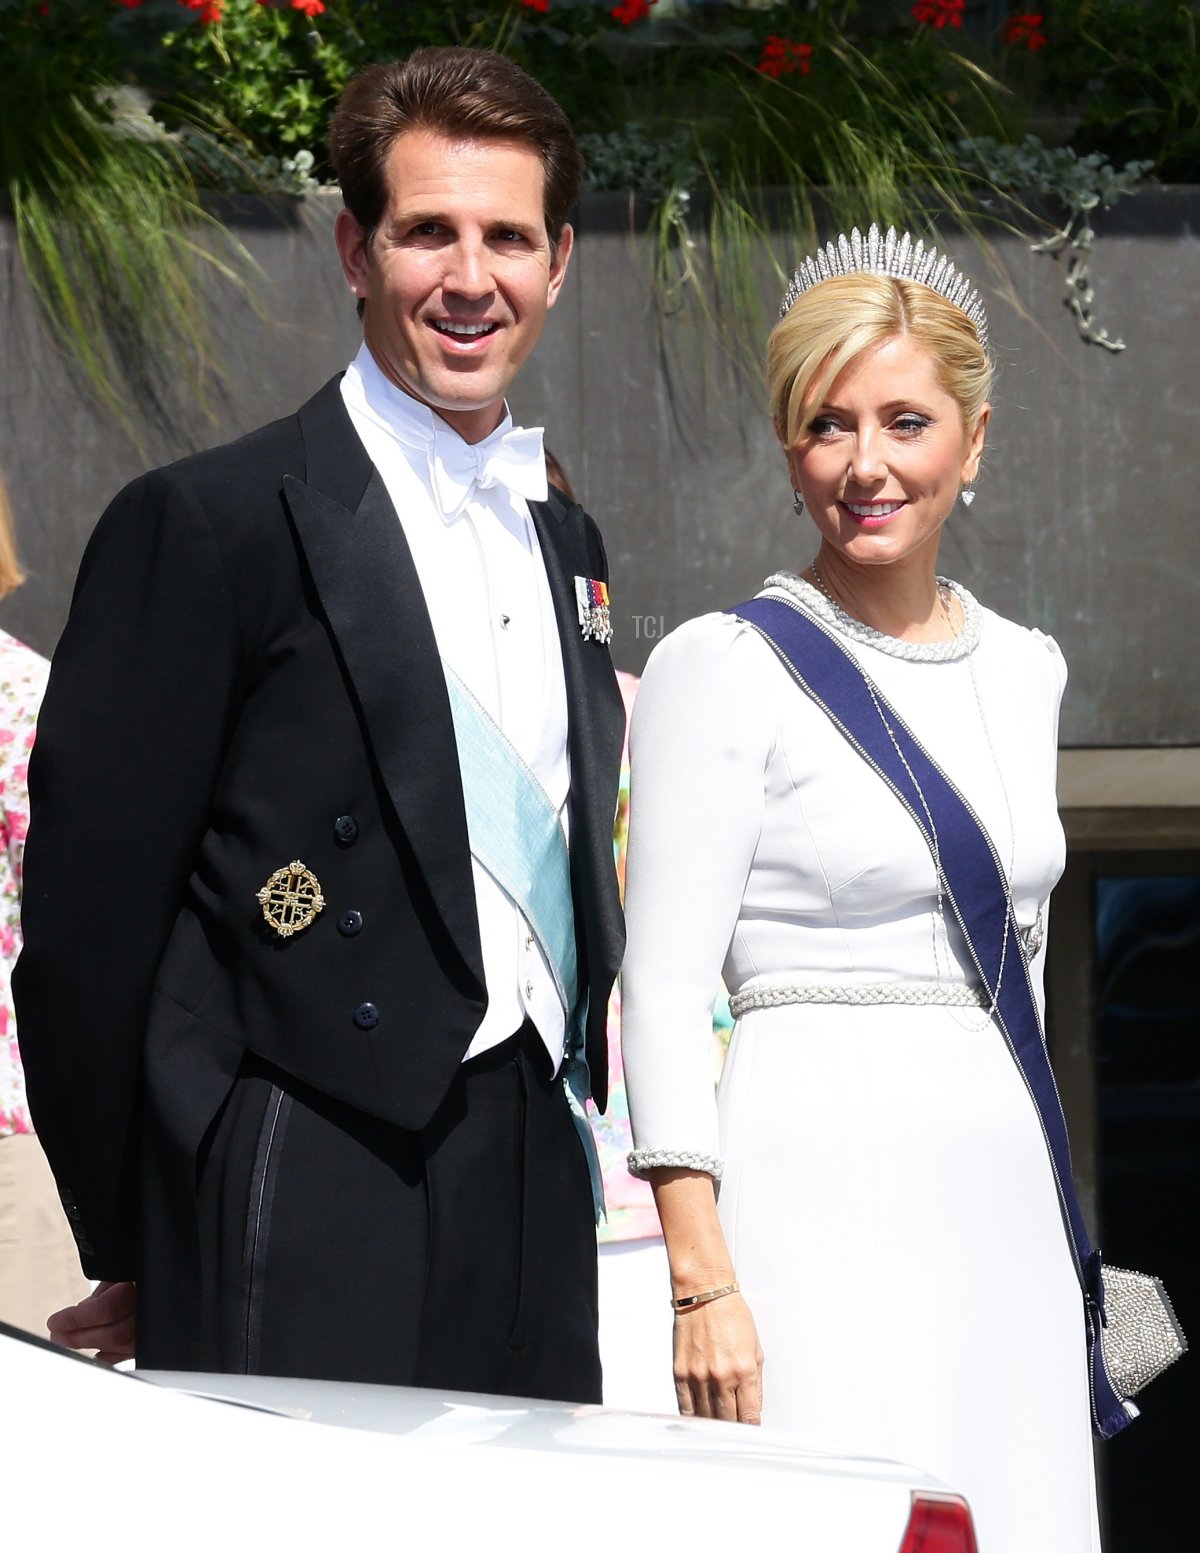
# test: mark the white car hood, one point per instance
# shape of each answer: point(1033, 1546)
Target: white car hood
point(101, 1460)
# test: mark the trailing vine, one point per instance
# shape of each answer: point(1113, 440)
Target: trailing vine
point(1081, 184)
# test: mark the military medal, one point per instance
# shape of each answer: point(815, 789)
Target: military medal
point(291, 899)
point(592, 598)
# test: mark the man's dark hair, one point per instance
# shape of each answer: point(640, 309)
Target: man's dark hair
point(466, 94)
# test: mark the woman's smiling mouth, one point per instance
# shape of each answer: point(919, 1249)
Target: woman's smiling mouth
point(871, 513)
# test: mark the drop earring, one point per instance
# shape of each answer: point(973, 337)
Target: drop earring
point(797, 502)
point(967, 495)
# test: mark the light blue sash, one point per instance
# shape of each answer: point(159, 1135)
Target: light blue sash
point(516, 836)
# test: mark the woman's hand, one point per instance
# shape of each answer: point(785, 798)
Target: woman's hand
point(718, 1363)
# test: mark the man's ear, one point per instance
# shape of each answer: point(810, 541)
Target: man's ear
point(354, 252)
point(558, 264)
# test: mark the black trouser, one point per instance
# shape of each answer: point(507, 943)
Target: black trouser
point(335, 1246)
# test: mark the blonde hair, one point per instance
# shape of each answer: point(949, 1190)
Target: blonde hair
point(11, 575)
point(829, 326)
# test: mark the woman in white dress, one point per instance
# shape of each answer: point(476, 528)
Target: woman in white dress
point(886, 1202)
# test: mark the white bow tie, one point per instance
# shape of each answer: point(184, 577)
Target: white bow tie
point(512, 459)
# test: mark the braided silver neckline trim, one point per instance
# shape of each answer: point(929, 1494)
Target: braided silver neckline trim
point(867, 994)
point(642, 1160)
point(867, 636)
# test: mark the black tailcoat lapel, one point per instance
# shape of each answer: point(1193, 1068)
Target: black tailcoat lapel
point(367, 582)
point(596, 724)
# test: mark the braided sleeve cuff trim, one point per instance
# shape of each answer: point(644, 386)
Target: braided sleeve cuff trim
point(643, 1160)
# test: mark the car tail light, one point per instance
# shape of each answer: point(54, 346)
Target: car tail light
point(939, 1523)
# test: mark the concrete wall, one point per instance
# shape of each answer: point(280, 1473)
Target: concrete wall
point(1086, 522)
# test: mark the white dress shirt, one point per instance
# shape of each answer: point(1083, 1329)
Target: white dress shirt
point(481, 570)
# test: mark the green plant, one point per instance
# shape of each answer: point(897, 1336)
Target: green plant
point(263, 76)
point(113, 240)
point(850, 140)
point(114, 245)
point(1079, 183)
point(266, 73)
point(1130, 71)
point(635, 159)
point(844, 111)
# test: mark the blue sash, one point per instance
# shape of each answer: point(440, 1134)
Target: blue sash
point(516, 836)
point(973, 882)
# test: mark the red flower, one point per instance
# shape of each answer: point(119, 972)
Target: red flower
point(1027, 30)
point(630, 11)
point(130, 5)
point(309, 7)
point(208, 11)
point(939, 13)
point(536, 5)
point(780, 56)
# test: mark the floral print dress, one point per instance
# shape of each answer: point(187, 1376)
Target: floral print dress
point(22, 681)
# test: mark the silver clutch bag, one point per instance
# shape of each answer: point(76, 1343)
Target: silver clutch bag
point(1142, 1336)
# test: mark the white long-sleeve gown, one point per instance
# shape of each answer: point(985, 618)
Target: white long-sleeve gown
point(886, 1195)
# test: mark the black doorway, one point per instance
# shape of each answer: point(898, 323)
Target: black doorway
point(1147, 990)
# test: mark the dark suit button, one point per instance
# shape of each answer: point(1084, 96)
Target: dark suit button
point(349, 923)
point(345, 828)
point(366, 1016)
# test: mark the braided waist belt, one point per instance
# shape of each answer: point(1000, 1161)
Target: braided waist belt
point(911, 993)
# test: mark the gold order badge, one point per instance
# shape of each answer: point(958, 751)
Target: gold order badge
point(291, 899)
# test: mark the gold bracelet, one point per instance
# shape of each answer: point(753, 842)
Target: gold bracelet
point(690, 1301)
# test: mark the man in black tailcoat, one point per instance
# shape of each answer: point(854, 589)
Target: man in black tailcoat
point(297, 1045)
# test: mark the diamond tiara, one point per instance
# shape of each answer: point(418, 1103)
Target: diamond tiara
point(897, 255)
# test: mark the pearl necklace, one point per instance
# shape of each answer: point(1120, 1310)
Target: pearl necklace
point(943, 593)
point(850, 628)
